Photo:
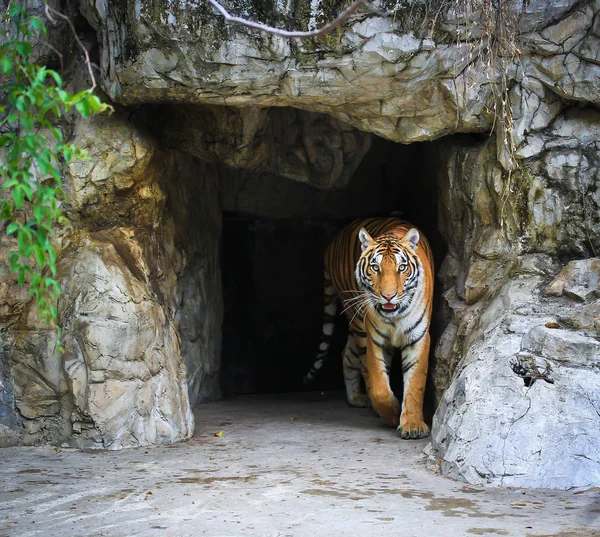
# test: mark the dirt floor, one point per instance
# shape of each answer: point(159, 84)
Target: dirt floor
point(271, 466)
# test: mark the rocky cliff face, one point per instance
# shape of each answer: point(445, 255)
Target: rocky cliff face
point(216, 117)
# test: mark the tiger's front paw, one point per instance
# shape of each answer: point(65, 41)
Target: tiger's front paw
point(359, 401)
point(388, 409)
point(413, 430)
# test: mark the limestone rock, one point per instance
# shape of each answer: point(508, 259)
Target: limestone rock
point(303, 146)
point(585, 317)
point(386, 76)
point(121, 350)
point(579, 280)
point(8, 437)
point(116, 173)
point(489, 427)
point(563, 346)
point(492, 429)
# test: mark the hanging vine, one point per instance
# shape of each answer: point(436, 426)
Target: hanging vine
point(32, 148)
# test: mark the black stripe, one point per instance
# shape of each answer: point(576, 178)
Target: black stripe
point(358, 333)
point(404, 307)
point(378, 332)
point(418, 322)
point(379, 344)
point(413, 342)
point(407, 367)
point(353, 353)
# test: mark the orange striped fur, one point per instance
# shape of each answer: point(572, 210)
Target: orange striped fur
point(381, 270)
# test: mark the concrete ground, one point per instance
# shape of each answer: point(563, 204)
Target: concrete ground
point(294, 465)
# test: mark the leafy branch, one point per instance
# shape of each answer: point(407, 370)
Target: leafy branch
point(33, 100)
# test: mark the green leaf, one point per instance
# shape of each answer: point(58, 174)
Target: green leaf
point(95, 104)
point(27, 189)
point(11, 118)
point(51, 283)
point(12, 227)
point(16, 9)
point(38, 25)
point(6, 65)
point(56, 77)
point(23, 48)
point(57, 133)
point(41, 74)
point(40, 256)
point(7, 138)
point(64, 96)
point(84, 108)
point(18, 196)
point(14, 261)
point(52, 261)
point(67, 153)
point(20, 103)
point(24, 241)
point(9, 184)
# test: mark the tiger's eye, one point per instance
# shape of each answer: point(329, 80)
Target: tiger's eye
point(402, 268)
point(374, 267)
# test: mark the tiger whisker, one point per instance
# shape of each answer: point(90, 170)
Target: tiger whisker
point(355, 304)
point(373, 304)
point(363, 304)
point(358, 306)
point(354, 299)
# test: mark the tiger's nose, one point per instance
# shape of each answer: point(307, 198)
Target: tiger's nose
point(388, 297)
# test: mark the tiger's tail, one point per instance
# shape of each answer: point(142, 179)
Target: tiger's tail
point(330, 310)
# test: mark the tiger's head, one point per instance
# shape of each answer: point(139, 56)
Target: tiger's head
point(388, 270)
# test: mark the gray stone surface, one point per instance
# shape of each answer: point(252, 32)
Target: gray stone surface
point(138, 289)
point(122, 358)
point(585, 317)
point(491, 428)
point(306, 147)
point(293, 465)
point(8, 436)
point(579, 280)
point(507, 295)
point(393, 77)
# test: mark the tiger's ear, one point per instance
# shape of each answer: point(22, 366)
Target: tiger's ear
point(412, 237)
point(364, 238)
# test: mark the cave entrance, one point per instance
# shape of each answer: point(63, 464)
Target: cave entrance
point(269, 189)
point(272, 267)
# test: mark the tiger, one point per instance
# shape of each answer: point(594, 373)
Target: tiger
point(381, 270)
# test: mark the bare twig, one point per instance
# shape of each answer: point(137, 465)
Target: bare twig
point(50, 13)
point(295, 34)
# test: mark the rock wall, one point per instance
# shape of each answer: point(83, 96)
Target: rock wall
point(139, 274)
point(401, 77)
point(522, 342)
